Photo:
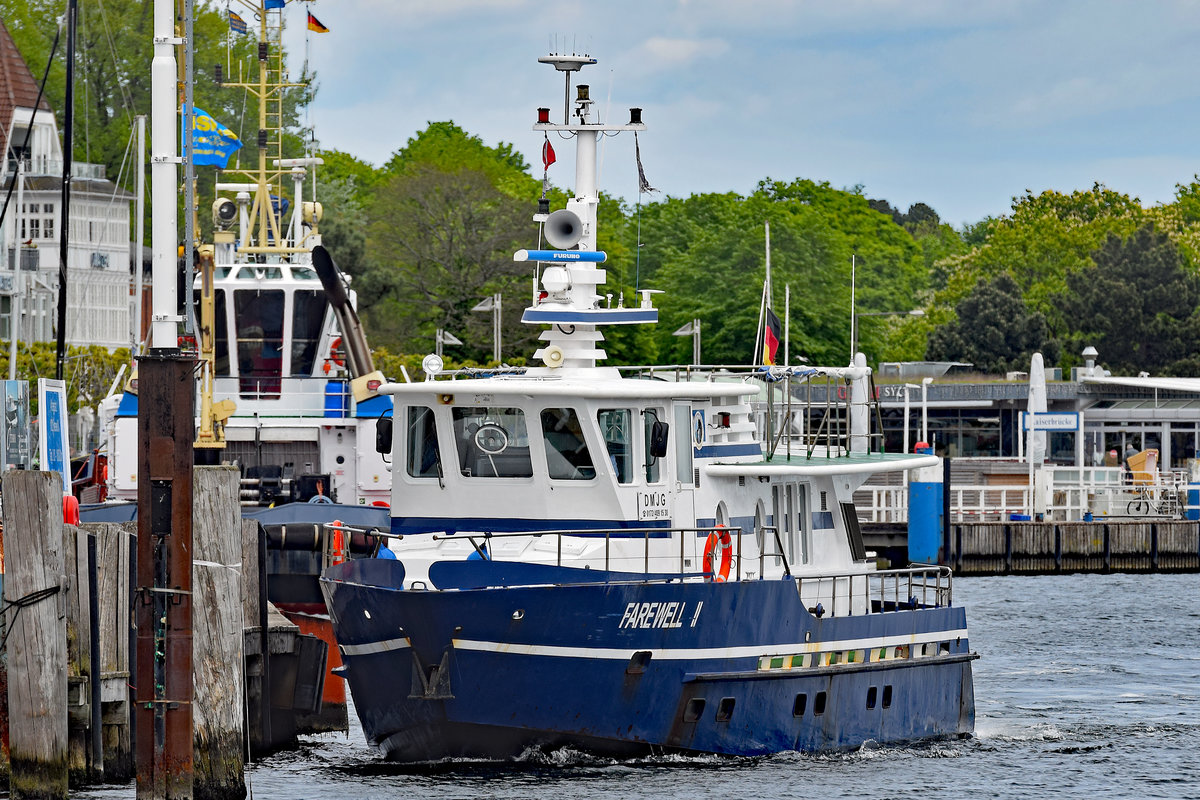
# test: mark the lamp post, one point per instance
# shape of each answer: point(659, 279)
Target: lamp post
point(916, 312)
point(492, 304)
point(692, 329)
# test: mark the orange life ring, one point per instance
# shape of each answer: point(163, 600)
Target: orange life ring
point(338, 554)
point(718, 537)
point(336, 356)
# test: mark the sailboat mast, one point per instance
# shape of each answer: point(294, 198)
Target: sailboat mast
point(189, 167)
point(140, 235)
point(64, 232)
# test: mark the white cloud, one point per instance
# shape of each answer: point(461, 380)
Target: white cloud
point(960, 105)
point(668, 53)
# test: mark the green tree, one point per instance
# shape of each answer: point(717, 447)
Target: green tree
point(439, 242)
point(707, 252)
point(994, 330)
point(1047, 236)
point(1137, 305)
point(344, 225)
point(89, 372)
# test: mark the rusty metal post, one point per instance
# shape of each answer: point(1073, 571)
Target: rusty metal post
point(163, 717)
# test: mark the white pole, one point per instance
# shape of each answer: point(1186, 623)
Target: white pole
point(164, 185)
point(853, 265)
point(1029, 458)
point(907, 398)
point(585, 185)
point(18, 275)
point(496, 324)
point(787, 323)
point(925, 409)
point(696, 341)
point(767, 228)
point(762, 317)
point(140, 233)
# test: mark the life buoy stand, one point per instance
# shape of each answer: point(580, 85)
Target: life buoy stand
point(337, 548)
point(336, 356)
point(718, 538)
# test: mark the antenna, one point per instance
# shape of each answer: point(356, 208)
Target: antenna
point(566, 65)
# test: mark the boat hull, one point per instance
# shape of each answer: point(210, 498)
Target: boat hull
point(490, 673)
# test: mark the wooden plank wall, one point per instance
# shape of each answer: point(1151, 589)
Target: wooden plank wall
point(36, 574)
point(218, 715)
point(998, 548)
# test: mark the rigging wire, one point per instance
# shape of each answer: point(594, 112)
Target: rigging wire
point(36, 103)
point(126, 97)
point(87, 102)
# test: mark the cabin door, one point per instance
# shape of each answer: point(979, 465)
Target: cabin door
point(684, 477)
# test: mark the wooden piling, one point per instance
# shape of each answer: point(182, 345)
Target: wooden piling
point(113, 544)
point(257, 661)
point(35, 573)
point(218, 716)
point(163, 719)
point(80, 766)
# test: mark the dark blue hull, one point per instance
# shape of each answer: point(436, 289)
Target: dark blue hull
point(636, 667)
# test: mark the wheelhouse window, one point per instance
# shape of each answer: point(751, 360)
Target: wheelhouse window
point(492, 442)
point(258, 316)
point(423, 458)
point(616, 428)
point(653, 465)
point(220, 332)
point(567, 455)
point(308, 315)
point(683, 444)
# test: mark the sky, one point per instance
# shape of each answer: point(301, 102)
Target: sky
point(956, 104)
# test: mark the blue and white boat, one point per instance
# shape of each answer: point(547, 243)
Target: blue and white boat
point(624, 565)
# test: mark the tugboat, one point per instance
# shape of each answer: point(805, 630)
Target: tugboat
point(627, 566)
point(287, 388)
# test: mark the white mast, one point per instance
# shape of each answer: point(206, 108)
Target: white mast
point(572, 277)
point(140, 234)
point(164, 183)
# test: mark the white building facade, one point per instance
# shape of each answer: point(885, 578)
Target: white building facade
point(98, 250)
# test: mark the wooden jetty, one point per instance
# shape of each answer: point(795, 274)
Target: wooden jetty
point(67, 673)
point(1047, 548)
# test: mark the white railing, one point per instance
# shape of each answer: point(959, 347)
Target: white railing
point(1063, 494)
point(52, 166)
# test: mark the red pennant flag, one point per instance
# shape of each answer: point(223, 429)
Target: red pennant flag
point(547, 155)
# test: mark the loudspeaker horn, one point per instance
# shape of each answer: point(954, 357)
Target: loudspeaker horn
point(553, 356)
point(564, 229)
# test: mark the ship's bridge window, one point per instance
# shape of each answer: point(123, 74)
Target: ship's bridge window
point(260, 273)
point(220, 332)
point(616, 428)
point(567, 455)
point(258, 316)
point(492, 442)
point(308, 315)
point(653, 464)
point(424, 458)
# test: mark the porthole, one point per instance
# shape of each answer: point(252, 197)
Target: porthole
point(694, 709)
point(725, 709)
point(819, 704)
point(799, 704)
point(887, 696)
point(872, 695)
point(638, 662)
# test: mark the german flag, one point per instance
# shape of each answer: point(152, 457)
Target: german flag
point(314, 24)
point(772, 335)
